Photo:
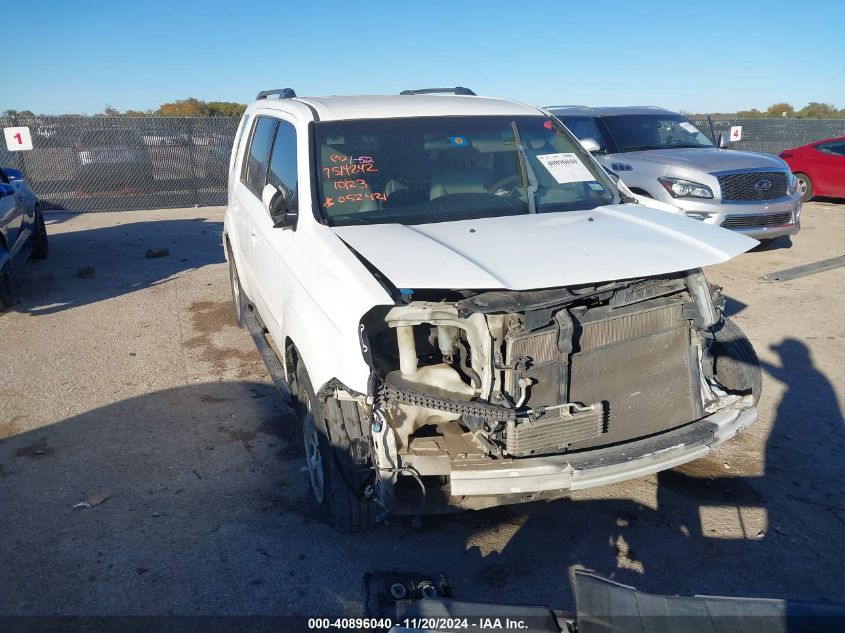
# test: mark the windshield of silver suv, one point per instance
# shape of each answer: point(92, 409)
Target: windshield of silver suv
point(438, 169)
point(636, 132)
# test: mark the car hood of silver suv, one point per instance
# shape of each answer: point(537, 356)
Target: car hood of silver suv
point(709, 160)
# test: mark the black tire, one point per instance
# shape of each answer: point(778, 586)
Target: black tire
point(737, 367)
point(40, 245)
point(805, 186)
point(329, 432)
point(5, 292)
point(237, 291)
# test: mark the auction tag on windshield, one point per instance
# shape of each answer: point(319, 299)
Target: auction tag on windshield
point(17, 138)
point(566, 167)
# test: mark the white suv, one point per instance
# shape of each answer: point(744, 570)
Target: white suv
point(467, 310)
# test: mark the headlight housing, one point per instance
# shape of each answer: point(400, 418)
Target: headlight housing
point(793, 184)
point(679, 188)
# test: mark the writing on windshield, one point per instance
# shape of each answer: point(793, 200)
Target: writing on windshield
point(435, 169)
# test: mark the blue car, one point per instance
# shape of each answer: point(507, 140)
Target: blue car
point(22, 231)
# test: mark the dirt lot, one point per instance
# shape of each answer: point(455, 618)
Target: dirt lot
point(133, 389)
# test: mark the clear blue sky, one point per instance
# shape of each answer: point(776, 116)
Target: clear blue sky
point(62, 56)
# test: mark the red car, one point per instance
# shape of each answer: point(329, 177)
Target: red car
point(819, 167)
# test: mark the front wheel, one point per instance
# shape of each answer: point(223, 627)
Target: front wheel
point(39, 236)
point(330, 433)
point(805, 186)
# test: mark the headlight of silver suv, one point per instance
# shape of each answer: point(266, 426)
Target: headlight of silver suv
point(793, 184)
point(678, 188)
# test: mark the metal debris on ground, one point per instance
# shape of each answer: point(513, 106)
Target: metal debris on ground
point(93, 500)
point(806, 269)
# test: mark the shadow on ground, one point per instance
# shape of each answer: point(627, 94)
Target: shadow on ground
point(93, 264)
point(200, 506)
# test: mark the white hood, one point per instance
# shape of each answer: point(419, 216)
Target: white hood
point(544, 250)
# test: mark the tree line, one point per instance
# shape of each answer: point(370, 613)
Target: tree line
point(189, 107)
point(813, 110)
point(192, 107)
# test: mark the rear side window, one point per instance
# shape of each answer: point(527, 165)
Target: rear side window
point(836, 148)
point(282, 172)
point(258, 155)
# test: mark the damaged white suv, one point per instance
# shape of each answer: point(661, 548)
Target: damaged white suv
point(465, 307)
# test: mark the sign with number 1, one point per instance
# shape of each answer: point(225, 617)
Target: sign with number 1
point(17, 138)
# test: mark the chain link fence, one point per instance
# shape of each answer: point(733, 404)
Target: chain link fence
point(770, 136)
point(123, 163)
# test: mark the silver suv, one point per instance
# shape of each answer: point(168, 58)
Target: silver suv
point(661, 155)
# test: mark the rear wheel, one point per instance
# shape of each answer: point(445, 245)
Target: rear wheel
point(39, 240)
point(805, 186)
point(237, 292)
point(737, 367)
point(329, 432)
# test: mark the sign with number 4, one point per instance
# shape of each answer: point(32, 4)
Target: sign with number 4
point(736, 132)
point(17, 138)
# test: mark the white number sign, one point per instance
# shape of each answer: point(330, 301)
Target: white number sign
point(736, 132)
point(17, 138)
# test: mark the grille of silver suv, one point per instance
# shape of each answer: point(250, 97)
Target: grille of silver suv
point(753, 185)
point(754, 221)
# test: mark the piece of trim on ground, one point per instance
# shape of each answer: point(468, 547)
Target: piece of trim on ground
point(806, 269)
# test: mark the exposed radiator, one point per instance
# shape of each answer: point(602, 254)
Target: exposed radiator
point(637, 362)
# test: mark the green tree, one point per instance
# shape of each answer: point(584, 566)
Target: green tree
point(184, 107)
point(225, 108)
point(778, 109)
point(816, 110)
point(753, 113)
point(110, 111)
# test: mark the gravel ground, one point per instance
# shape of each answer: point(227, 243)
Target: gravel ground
point(134, 391)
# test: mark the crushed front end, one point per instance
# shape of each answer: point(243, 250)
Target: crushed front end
point(484, 398)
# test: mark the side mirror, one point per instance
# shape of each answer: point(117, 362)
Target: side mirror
point(12, 174)
point(591, 145)
point(724, 140)
point(6, 189)
point(276, 203)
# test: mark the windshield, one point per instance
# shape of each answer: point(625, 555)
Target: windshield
point(634, 132)
point(439, 169)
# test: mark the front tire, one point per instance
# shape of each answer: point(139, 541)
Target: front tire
point(328, 433)
point(805, 186)
point(737, 367)
point(40, 245)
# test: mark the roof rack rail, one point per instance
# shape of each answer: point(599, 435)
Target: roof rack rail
point(457, 90)
point(281, 93)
